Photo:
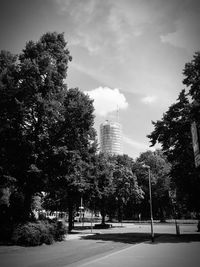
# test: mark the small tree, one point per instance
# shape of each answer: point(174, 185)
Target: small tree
point(160, 182)
point(113, 184)
point(102, 183)
point(125, 183)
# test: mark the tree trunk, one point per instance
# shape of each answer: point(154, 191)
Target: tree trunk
point(162, 215)
point(103, 215)
point(103, 212)
point(70, 217)
point(27, 206)
point(120, 211)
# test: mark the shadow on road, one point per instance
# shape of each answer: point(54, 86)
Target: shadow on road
point(129, 238)
point(80, 228)
point(134, 238)
point(183, 238)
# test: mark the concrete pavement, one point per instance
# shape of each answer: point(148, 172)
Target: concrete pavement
point(167, 250)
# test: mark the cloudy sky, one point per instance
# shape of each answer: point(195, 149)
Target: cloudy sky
point(127, 54)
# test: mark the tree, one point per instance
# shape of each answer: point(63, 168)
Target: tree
point(43, 67)
point(9, 111)
point(174, 134)
point(192, 76)
point(160, 182)
point(32, 102)
point(47, 136)
point(125, 184)
point(102, 183)
point(74, 147)
point(113, 185)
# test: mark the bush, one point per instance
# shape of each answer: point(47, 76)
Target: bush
point(41, 232)
point(32, 234)
point(27, 235)
point(60, 230)
point(46, 235)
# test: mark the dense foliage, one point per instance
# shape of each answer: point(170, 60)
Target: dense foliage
point(75, 145)
point(32, 96)
point(113, 185)
point(46, 135)
point(38, 233)
point(48, 149)
point(173, 132)
point(160, 184)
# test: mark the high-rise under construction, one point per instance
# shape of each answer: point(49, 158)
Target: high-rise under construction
point(111, 137)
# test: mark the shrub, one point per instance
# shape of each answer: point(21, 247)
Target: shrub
point(26, 235)
point(60, 230)
point(46, 235)
point(32, 234)
point(37, 233)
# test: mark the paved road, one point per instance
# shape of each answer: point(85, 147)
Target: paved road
point(165, 252)
point(59, 254)
point(128, 245)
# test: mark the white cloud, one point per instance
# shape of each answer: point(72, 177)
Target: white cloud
point(149, 99)
point(107, 100)
point(135, 144)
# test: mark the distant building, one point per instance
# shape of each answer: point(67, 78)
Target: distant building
point(111, 137)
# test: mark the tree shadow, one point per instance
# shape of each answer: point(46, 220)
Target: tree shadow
point(80, 227)
point(134, 238)
point(182, 238)
point(129, 238)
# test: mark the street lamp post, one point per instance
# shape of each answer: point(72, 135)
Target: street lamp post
point(150, 201)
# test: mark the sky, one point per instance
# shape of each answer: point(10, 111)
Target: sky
point(128, 55)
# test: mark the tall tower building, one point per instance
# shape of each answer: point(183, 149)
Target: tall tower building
point(111, 137)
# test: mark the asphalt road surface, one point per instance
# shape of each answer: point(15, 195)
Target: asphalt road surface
point(83, 246)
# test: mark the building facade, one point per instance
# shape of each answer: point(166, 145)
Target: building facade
point(111, 137)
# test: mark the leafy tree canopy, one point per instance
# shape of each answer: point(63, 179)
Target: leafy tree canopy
point(173, 132)
point(46, 131)
point(160, 181)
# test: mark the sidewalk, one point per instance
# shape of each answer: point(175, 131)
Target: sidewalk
point(167, 250)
